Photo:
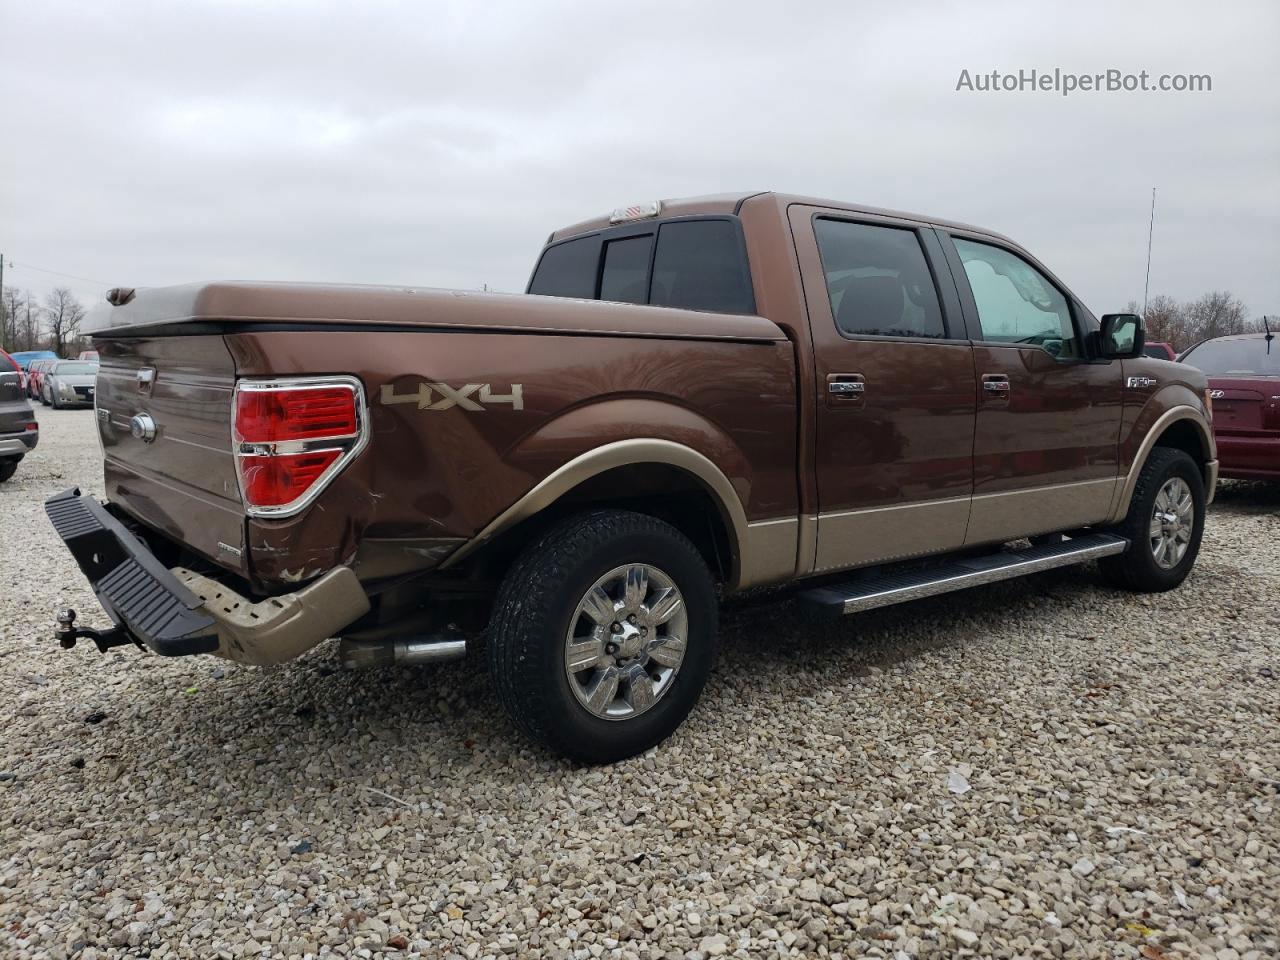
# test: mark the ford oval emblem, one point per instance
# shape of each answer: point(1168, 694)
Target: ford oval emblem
point(143, 427)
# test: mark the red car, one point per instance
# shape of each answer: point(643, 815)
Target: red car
point(34, 377)
point(1244, 382)
point(1161, 351)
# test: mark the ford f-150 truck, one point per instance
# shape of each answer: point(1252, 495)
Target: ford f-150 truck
point(693, 398)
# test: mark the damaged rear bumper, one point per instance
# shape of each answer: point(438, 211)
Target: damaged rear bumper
point(178, 612)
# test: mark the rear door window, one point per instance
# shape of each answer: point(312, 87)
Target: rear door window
point(878, 280)
point(626, 269)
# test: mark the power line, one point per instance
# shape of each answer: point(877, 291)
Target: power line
point(57, 273)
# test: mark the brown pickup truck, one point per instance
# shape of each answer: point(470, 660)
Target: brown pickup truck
point(695, 397)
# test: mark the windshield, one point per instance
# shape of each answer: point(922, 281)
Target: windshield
point(1236, 358)
point(76, 366)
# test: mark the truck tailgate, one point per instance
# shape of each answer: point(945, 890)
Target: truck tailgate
point(182, 481)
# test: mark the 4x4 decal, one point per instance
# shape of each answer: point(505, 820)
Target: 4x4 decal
point(453, 396)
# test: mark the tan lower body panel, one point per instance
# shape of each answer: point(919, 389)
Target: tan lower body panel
point(856, 538)
point(278, 628)
point(769, 554)
point(1008, 515)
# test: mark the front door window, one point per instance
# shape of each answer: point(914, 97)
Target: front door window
point(1016, 303)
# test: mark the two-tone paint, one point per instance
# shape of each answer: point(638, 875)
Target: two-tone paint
point(803, 481)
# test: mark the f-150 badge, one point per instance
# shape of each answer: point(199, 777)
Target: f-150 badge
point(441, 396)
point(1141, 382)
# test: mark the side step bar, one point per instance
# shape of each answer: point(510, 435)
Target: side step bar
point(882, 589)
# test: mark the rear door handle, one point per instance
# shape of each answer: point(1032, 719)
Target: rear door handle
point(846, 387)
point(996, 384)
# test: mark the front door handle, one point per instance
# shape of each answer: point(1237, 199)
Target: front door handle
point(846, 390)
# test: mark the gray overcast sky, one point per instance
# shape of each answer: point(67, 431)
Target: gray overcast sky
point(438, 143)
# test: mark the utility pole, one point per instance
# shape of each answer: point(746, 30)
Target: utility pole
point(1146, 287)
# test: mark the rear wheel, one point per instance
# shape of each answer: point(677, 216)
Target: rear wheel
point(1164, 525)
point(603, 635)
point(7, 468)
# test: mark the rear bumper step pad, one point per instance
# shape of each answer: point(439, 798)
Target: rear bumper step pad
point(133, 587)
point(880, 590)
point(179, 612)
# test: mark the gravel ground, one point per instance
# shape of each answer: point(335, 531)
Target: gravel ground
point(1046, 768)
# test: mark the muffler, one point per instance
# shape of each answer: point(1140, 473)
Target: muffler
point(360, 654)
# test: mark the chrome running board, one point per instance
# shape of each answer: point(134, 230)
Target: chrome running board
point(873, 590)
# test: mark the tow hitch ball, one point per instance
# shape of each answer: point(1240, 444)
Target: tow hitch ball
point(68, 633)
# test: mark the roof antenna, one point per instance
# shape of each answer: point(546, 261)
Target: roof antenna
point(1151, 229)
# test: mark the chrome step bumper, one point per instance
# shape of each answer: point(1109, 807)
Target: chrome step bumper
point(880, 590)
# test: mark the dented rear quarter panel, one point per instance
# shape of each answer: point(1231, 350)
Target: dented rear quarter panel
point(431, 479)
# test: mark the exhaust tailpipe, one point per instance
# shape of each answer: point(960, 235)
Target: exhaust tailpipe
point(360, 654)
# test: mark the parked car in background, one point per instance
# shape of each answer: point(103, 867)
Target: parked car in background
point(1244, 384)
point(69, 383)
point(88, 355)
point(18, 430)
point(780, 389)
point(1160, 351)
point(35, 378)
point(32, 385)
point(23, 358)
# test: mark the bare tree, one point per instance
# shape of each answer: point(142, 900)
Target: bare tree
point(64, 313)
point(1216, 314)
point(1166, 322)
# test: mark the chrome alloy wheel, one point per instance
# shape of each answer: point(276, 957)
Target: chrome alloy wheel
point(1172, 522)
point(626, 641)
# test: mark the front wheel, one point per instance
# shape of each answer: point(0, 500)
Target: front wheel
point(603, 635)
point(1164, 525)
point(8, 467)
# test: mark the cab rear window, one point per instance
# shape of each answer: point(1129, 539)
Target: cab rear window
point(694, 264)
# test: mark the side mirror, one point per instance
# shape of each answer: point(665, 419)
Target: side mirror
point(1122, 336)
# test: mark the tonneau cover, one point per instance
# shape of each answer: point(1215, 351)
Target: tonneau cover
point(232, 304)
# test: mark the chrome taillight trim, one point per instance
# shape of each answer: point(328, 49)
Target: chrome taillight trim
point(349, 445)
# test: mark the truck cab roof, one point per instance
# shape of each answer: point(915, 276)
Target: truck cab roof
point(732, 203)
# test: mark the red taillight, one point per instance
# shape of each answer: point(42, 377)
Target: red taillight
point(305, 413)
point(292, 437)
point(1271, 413)
point(279, 480)
point(32, 426)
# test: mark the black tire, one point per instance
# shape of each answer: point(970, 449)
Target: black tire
point(1136, 568)
point(530, 623)
point(7, 468)
point(57, 405)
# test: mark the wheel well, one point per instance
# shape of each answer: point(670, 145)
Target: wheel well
point(656, 489)
point(1184, 435)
